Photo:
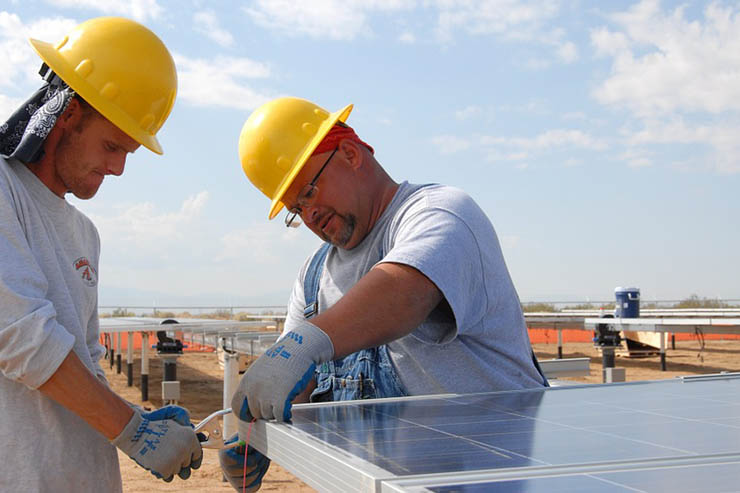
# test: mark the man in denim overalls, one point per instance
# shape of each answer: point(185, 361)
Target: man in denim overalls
point(409, 295)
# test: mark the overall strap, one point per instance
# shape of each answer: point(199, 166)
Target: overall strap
point(312, 279)
point(539, 369)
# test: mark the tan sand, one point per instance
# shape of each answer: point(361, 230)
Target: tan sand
point(202, 385)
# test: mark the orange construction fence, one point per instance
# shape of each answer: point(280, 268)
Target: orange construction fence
point(538, 336)
point(550, 336)
point(191, 346)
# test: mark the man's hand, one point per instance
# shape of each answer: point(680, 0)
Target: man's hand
point(232, 465)
point(272, 382)
point(162, 442)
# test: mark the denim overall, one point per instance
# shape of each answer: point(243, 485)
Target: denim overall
point(366, 374)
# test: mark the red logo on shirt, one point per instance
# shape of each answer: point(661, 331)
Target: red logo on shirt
point(87, 271)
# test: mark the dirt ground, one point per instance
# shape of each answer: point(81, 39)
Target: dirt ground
point(202, 384)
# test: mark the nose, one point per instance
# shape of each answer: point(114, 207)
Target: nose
point(310, 214)
point(116, 165)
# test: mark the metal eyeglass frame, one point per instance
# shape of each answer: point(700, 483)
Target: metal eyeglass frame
point(304, 200)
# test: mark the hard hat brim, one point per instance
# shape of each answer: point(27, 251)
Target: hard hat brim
point(326, 126)
point(115, 115)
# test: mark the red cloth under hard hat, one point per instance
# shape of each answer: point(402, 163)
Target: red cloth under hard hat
point(335, 135)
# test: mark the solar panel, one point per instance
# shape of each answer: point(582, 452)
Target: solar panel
point(584, 438)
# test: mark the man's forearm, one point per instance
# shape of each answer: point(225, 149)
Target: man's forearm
point(386, 304)
point(76, 388)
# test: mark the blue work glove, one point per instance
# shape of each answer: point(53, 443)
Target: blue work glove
point(179, 414)
point(272, 382)
point(232, 465)
point(162, 441)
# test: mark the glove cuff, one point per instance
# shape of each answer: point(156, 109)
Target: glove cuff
point(322, 349)
point(128, 435)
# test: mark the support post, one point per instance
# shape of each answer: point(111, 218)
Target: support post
point(231, 381)
point(560, 342)
point(118, 356)
point(112, 352)
point(130, 359)
point(145, 366)
point(662, 351)
point(170, 369)
point(607, 360)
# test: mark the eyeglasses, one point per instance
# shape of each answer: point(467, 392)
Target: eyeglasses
point(306, 196)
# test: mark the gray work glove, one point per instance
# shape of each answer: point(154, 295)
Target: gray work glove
point(162, 442)
point(272, 382)
point(232, 465)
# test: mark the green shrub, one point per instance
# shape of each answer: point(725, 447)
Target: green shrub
point(694, 301)
point(538, 307)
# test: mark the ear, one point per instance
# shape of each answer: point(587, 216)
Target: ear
point(352, 153)
point(71, 115)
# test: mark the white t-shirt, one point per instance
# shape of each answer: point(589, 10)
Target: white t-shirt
point(475, 342)
point(48, 306)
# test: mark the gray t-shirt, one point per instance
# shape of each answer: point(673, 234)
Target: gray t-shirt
point(475, 341)
point(48, 306)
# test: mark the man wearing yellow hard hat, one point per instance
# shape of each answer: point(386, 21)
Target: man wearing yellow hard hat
point(109, 86)
point(409, 295)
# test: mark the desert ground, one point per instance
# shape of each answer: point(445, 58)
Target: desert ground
point(202, 385)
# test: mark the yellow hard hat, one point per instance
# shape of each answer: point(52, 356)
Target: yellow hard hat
point(122, 69)
point(278, 138)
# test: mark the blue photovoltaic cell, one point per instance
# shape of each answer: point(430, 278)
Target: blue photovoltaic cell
point(553, 427)
point(713, 478)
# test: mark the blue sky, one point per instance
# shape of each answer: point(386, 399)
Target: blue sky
point(601, 138)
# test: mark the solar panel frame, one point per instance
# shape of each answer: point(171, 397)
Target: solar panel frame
point(681, 474)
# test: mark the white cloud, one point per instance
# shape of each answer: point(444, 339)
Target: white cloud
point(407, 38)
point(331, 19)
point(140, 10)
point(680, 79)
point(532, 106)
point(8, 105)
point(513, 20)
point(261, 243)
point(520, 149)
point(207, 23)
point(449, 144)
point(567, 52)
point(721, 137)
point(468, 112)
point(18, 61)
point(142, 227)
point(220, 82)
point(640, 162)
point(550, 139)
point(182, 252)
point(609, 43)
point(636, 158)
point(664, 62)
